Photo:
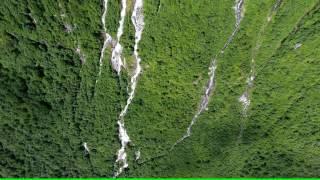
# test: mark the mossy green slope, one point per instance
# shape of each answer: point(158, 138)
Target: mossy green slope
point(50, 103)
point(284, 103)
point(178, 44)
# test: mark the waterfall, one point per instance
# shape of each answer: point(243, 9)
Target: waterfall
point(244, 99)
point(81, 54)
point(211, 83)
point(137, 19)
point(106, 36)
point(238, 11)
point(203, 104)
point(116, 61)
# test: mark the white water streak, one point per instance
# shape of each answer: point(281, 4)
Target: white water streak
point(116, 60)
point(138, 155)
point(81, 55)
point(138, 22)
point(244, 99)
point(211, 84)
point(107, 37)
point(298, 45)
point(238, 11)
point(86, 148)
point(203, 104)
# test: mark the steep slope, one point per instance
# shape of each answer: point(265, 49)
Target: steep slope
point(50, 106)
point(105, 88)
point(177, 53)
point(265, 149)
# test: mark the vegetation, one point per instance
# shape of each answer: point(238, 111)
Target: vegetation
point(51, 104)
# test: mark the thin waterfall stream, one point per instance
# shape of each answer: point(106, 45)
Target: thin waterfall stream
point(137, 19)
point(106, 36)
point(244, 99)
point(211, 83)
point(116, 60)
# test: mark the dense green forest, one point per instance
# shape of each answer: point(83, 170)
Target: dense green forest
point(59, 117)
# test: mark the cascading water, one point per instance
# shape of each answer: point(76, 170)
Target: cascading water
point(274, 8)
point(106, 36)
point(211, 84)
point(138, 155)
point(81, 55)
point(116, 61)
point(238, 11)
point(244, 99)
point(86, 148)
point(203, 104)
point(138, 22)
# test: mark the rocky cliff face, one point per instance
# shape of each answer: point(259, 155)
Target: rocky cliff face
point(115, 87)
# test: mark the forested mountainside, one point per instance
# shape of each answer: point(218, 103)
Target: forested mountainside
point(160, 88)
